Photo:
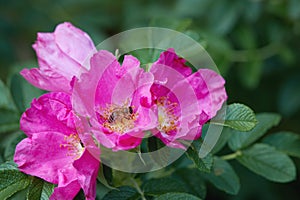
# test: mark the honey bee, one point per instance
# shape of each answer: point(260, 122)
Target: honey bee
point(120, 114)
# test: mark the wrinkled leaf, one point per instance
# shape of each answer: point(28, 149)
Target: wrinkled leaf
point(39, 189)
point(162, 186)
point(193, 181)
point(203, 164)
point(122, 193)
point(223, 177)
point(269, 163)
point(176, 196)
point(284, 141)
point(238, 117)
point(11, 180)
point(241, 140)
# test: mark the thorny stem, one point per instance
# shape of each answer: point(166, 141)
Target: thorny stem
point(137, 187)
point(232, 155)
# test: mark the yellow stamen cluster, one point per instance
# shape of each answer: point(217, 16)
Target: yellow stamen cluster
point(119, 119)
point(167, 119)
point(73, 145)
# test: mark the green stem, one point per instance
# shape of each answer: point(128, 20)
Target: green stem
point(137, 187)
point(261, 53)
point(148, 67)
point(232, 155)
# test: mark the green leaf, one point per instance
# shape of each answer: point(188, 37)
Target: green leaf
point(223, 139)
point(268, 162)
point(8, 116)
point(101, 191)
point(80, 195)
point(193, 181)
point(4, 128)
point(9, 120)
point(238, 117)
point(122, 193)
point(39, 189)
point(146, 56)
point(12, 142)
point(161, 173)
point(22, 92)
point(123, 178)
point(105, 176)
point(153, 144)
point(293, 9)
point(289, 96)
point(223, 177)
point(162, 186)
point(286, 142)
point(17, 92)
point(176, 196)
point(203, 164)
point(5, 98)
point(11, 180)
point(8, 165)
point(241, 140)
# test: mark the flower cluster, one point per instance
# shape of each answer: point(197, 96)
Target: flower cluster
point(94, 100)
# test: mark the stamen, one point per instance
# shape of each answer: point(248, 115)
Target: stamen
point(168, 121)
point(73, 145)
point(119, 119)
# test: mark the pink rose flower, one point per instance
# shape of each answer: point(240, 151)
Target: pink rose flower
point(61, 55)
point(115, 100)
point(183, 101)
point(53, 150)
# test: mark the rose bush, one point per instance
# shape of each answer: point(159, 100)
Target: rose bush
point(96, 100)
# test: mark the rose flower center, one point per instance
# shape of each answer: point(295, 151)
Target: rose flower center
point(73, 145)
point(119, 119)
point(167, 119)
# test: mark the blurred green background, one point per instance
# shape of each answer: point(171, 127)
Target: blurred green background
point(255, 44)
